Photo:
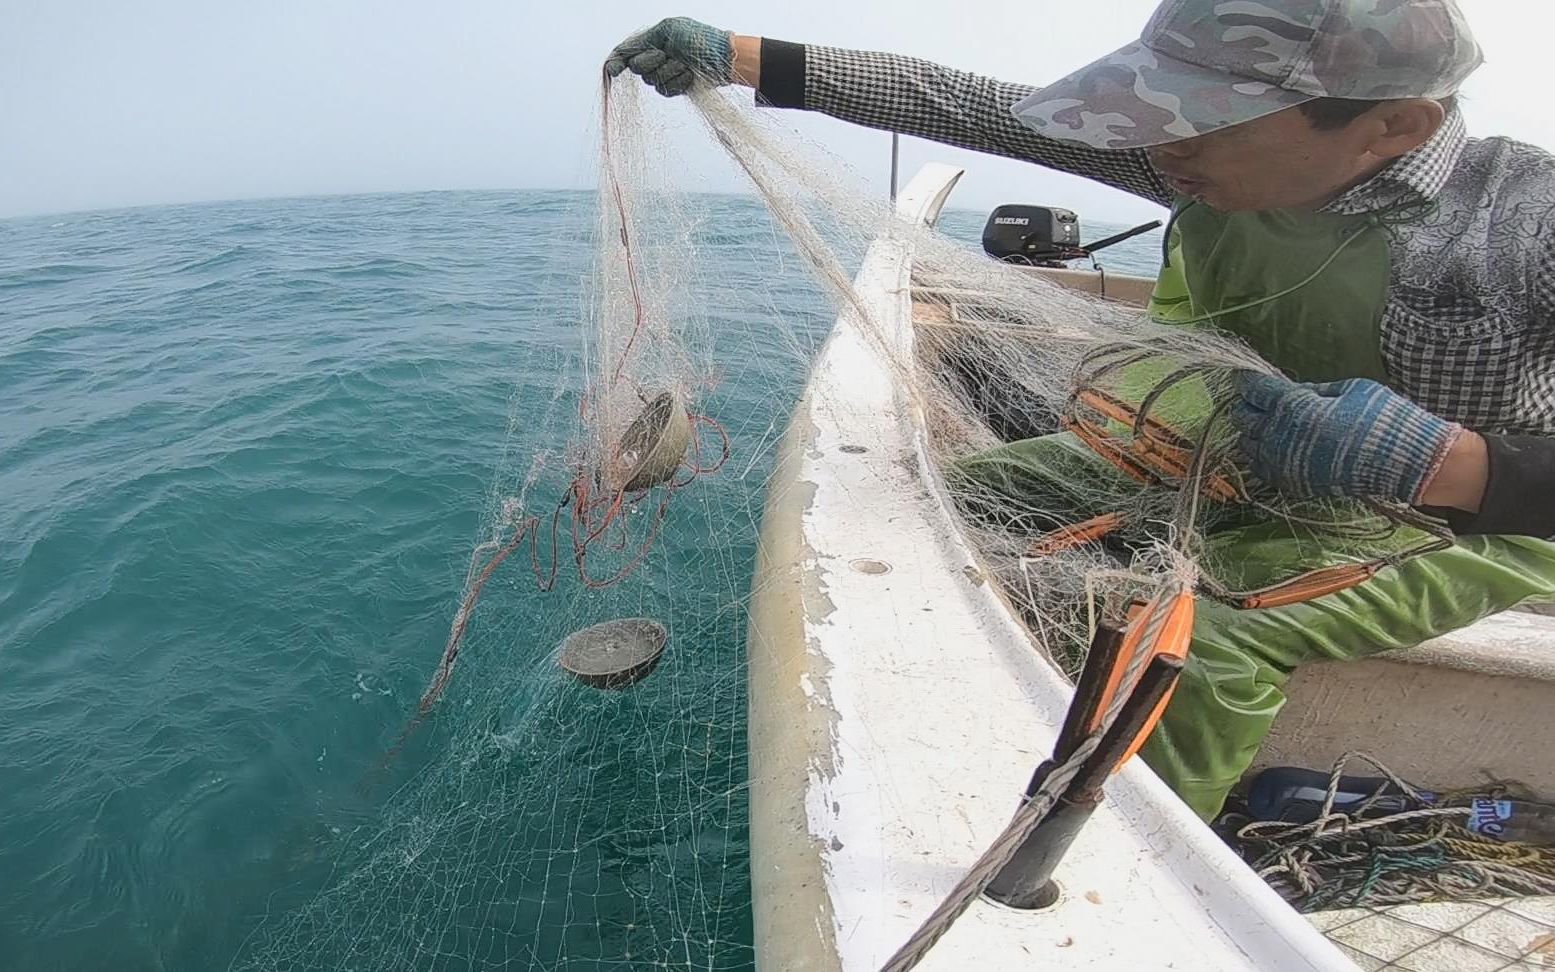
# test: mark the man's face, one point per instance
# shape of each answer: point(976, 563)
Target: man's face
point(1278, 161)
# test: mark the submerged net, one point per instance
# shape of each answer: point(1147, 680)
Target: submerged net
point(528, 820)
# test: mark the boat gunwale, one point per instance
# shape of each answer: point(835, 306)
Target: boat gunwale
point(798, 896)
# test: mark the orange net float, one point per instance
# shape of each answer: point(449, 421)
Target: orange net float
point(1163, 625)
point(1154, 454)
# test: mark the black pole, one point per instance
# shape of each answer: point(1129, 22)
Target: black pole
point(1155, 681)
point(1127, 234)
point(1026, 882)
point(1087, 701)
point(1086, 706)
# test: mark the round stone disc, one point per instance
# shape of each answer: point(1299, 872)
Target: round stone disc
point(614, 654)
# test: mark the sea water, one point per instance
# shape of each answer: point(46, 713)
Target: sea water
point(245, 449)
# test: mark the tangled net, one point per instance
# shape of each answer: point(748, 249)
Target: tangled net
point(611, 479)
point(549, 825)
point(1365, 858)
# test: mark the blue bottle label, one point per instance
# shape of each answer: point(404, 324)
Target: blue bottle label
point(1489, 817)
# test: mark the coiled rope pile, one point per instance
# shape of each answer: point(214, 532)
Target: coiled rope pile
point(1421, 854)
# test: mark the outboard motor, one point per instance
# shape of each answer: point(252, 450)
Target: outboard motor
point(1032, 234)
point(1043, 236)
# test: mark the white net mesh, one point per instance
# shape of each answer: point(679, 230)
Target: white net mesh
point(528, 820)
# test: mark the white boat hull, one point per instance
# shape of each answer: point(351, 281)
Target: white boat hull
point(897, 709)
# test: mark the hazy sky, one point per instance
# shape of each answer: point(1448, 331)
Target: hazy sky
point(111, 103)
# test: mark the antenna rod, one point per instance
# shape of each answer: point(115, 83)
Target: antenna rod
point(896, 142)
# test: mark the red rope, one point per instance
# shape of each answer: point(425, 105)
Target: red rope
point(462, 619)
point(696, 448)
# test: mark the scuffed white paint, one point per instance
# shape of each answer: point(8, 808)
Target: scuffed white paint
point(941, 708)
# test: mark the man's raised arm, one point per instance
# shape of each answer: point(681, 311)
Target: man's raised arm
point(876, 90)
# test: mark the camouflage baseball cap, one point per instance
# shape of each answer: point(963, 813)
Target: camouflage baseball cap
point(1201, 65)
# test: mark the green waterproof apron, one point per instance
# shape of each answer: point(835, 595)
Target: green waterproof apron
point(1327, 275)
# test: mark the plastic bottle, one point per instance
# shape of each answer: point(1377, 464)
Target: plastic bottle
point(1519, 820)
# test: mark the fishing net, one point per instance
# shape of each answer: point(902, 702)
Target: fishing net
point(525, 819)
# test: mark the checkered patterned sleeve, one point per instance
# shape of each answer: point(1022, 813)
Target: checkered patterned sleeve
point(1521, 465)
point(915, 97)
point(1542, 282)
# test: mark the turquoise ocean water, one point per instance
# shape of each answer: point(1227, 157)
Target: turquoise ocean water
point(245, 451)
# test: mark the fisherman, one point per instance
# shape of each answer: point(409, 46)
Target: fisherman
point(1418, 368)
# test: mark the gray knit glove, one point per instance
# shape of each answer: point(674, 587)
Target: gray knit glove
point(1351, 438)
point(673, 53)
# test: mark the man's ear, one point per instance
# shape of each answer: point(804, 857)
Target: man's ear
point(1403, 125)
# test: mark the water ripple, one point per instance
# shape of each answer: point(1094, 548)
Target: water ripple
point(244, 448)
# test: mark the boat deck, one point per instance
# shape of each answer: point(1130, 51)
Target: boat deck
point(897, 705)
point(897, 709)
point(1504, 667)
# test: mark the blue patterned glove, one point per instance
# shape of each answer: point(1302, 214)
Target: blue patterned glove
point(673, 53)
point(1351, 438)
